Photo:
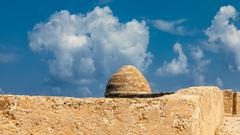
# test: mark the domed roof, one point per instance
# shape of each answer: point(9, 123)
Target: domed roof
point(127, 81)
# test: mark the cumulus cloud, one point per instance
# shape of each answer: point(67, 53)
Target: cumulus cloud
point(198, 56)
point(194, 68)
point(219, 82)
point(225, 33)
point(83, 48)
point(177, 66)
point(200, 65)
point(174, 27)
point(197, 53)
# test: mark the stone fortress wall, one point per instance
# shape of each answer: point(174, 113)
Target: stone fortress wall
point(191, 111)
point(231, 102)
point(125, 111)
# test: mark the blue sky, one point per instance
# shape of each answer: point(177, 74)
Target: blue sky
point(71, 48)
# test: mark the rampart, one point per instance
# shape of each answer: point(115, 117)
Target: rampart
point(190, 111)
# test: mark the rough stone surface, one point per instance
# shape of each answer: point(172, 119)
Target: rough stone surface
point(238, 104)
point(231, 103)
point(228, 102)
point(53, 115)
point(211, 108)
point(231, 123)
point(230, 126)
point(127, 80)
point(188, 112)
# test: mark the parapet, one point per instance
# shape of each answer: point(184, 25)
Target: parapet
point(191, 111)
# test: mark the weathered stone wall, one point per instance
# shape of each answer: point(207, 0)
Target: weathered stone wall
point(231, 102)
point(231, 123)
point(193, 111)
point(238, 104)
point(211, 111)
point(228, 102)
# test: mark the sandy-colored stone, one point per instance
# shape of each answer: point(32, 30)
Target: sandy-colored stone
point(188, 112)
point(228, 101)
point(24, 115)
point(230, 126)
point(210, 107)
point(231, 102)
point(127, 80)
point(238, 104)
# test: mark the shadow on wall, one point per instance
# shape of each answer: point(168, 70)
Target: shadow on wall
point(231, 102)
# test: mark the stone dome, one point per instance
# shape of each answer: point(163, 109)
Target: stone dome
point(128, 80)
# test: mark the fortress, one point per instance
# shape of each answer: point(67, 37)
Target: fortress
point(130, 108)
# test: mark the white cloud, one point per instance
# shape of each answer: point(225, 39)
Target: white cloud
point(193, 68)
point(7, 57)
point(197, 53)
point(173, 27)
point(199, 66)
point(198, 56)
point(177, 66)
point(224, 33)
point(219, 82)
point(85, 47)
